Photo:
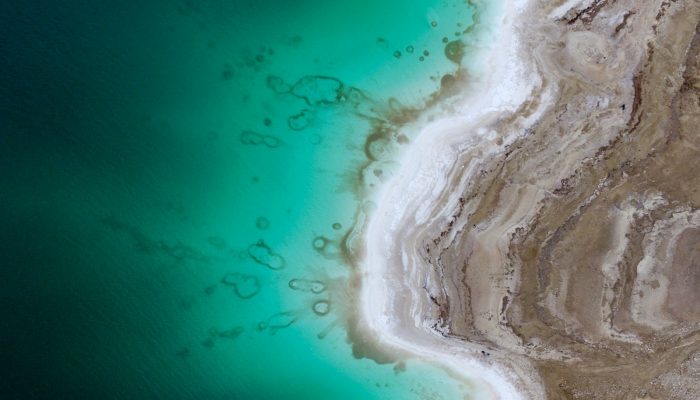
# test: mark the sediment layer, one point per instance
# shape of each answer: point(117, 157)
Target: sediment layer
point(554, 238)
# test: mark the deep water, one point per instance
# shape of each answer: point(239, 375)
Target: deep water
point(175, 180)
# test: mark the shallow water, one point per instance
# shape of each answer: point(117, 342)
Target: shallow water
point(176, 181)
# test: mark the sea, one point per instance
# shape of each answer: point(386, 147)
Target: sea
point(179, 184)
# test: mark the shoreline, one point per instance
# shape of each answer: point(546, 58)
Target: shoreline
point(539, 239)
point(388, 315)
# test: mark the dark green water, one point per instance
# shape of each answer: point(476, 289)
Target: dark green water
point(171, 202)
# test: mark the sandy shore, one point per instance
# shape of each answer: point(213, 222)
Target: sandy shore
point(536, 238)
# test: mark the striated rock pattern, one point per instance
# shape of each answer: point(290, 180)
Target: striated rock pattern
point(574, 249)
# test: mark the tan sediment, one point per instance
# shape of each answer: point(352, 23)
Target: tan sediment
point(555, 243)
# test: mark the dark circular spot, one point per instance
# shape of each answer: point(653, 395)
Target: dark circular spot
point(447, 82)
point(300, 121)
point(262, 254)
point(337, 226)
point(454, 51)
point(319, 242)
point(262, 223)
point(321, 307)
point(305, 285)
point(277, 84)
point(318, 90)
point(397, 54)
point(232, 333)
point(315, 139)
point(244, 286)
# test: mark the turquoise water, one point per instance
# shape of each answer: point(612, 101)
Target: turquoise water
point(176, 181)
